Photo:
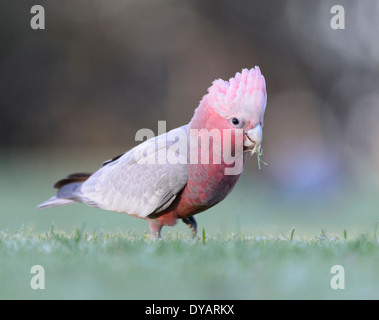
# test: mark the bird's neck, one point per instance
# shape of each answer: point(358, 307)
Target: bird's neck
point(213, 168)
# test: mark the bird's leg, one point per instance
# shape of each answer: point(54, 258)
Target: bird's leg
point(155, 228)
point(191, 223)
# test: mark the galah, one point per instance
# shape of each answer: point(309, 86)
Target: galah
point(143, 182)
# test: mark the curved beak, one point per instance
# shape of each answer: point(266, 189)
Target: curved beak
point(253, 139)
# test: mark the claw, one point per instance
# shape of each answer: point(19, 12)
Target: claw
point(191, 223)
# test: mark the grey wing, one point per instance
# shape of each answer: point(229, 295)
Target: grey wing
point(139, 182)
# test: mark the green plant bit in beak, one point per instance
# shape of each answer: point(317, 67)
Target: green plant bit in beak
point(259, 155)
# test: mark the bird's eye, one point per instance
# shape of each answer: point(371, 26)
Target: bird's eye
point(235, 121)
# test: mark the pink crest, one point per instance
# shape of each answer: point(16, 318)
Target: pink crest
point(246, 92)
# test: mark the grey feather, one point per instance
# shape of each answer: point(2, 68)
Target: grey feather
point(131, 186)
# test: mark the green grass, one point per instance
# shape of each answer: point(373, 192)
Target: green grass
point(101, 265)
point(258, 243)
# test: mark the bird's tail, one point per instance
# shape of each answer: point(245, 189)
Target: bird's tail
point(67, 191)
point(54, 202)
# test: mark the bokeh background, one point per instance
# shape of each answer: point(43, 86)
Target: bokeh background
point(75, 94)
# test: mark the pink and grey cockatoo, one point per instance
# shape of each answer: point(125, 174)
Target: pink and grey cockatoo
point(143, 184)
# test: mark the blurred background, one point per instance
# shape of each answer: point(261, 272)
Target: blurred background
point(74, 95)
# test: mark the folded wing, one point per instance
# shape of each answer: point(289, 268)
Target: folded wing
point(144, 180)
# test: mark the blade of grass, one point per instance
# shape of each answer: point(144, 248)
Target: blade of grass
point(259, 155)
point(292, 233)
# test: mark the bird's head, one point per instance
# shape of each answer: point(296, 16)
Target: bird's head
point(239, 103)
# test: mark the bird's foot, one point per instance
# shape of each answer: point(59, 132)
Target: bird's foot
point(191, 223)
